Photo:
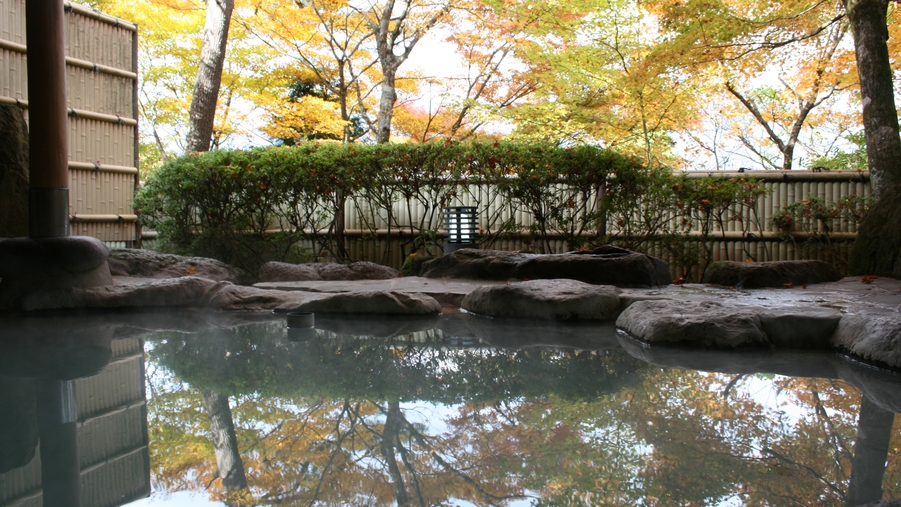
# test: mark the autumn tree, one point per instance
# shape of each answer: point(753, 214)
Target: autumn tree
point(171, 37)
point(328, 45)
point(209, 76)
point(593, 81)
point(397, 27)
point(808, 80)
point(869, 20)
point(493, 75)
point(877, 249)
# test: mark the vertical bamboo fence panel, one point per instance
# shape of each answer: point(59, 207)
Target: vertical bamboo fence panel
point(748, 236)
point(101, 81)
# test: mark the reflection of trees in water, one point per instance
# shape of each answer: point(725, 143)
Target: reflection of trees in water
point(259, 359)
point(662, 437)
point(708, 447)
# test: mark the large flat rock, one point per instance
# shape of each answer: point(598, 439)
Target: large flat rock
point(198, 292)
point(716, 324)
point(545, 299)
point(704, 324)
point(605, 265)
point(188, 292)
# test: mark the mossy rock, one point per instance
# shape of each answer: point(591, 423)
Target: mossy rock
point(877, 249)
point(413, 263)
point(13, 173)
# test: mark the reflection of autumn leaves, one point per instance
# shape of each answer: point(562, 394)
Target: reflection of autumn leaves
point(683, 438)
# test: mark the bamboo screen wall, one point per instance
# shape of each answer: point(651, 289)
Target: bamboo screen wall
point(762, 244)
point(101, 75)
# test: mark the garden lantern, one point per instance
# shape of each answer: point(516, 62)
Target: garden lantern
point(462, 228)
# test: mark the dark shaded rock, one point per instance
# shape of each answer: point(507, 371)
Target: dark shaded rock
point(13, 172)
point(755, 275)
point(39, 264)
point(545, 299)
point(799, 328)
point(378, 302)
point(875, 338)
point(363, 270)
point(332, 271)
point(67, 254)
point(605, 265)
point(877, 249)
point(149, 264)
point(475, 264)
point(372, 271)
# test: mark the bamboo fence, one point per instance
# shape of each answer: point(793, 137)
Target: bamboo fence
point(101, 82)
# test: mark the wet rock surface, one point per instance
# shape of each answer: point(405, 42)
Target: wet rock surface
point(605, 265)
point(363, 270)
point(872, 338)
point(545, 299)
point(725, 325)
point(755, 275)
point(704, 324)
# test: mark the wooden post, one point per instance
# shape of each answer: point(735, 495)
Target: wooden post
point(48, 199)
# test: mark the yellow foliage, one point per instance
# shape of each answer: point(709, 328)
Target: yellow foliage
point(300, 119)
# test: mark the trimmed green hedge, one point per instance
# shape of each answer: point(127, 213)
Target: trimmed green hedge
point(222, 203)
point(249, 207)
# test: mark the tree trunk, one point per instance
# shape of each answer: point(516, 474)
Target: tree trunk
point(874, 431)
point(386, 103)
point(209, 76)
point(880, 118)
point(225, 443)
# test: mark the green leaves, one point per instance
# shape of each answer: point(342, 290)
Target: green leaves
point(225, 204)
